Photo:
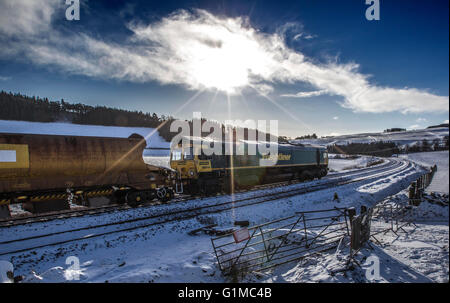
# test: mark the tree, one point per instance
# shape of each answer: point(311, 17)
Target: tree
point(425, 145)
point(436, 144)
point(283, 139)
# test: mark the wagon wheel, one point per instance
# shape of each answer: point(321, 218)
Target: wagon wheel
point(120, 197)
point(305, 176)
point(164, 194)
point(133, 198)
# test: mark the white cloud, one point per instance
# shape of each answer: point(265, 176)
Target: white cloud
point(24, 17)
point(298, 36)
point(3, 78)
point(446, 121)
point(336, 118)
point(415, 126)
point(200, 51)
point(309, 37)
point(421, 120)
point(303, 36)
point(305, 94)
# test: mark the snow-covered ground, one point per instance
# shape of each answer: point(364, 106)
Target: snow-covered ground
point(419, 254)
point(166, 253)
point(440, 158)
point(343, 163)
point(410, 137)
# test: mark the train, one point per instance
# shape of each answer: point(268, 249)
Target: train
point(201, 171)
point(49, 172)
point(44, 171)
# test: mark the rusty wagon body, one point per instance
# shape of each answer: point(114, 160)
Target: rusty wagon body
point(37, 168)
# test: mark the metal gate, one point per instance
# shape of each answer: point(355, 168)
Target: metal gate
point(281, 241)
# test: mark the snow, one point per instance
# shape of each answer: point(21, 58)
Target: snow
point(344, 163)
point(5, 267)
point(69, 129)
point(160, 161)
point(440, 158)
point(411, 137)
point(166, 253)
point(422, 246)
point(418, 253)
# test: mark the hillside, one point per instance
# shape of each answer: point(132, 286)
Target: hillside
point(18, 107)
point(402, 139)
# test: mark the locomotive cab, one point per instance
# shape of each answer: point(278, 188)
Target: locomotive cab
point(189, 161)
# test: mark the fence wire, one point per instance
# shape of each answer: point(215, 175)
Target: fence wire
point(282, 241)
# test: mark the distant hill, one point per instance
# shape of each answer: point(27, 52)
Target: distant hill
point(34, 109)
point(440, 125)
point(402, 138)
point(386, 143)
point(19, 107)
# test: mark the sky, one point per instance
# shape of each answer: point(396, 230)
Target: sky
point(315, 66)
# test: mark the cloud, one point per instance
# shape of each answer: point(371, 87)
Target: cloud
point(415, 126)
point(446, 121)
point(298, 36)
point(304, 36)
point(336, 118)
point(3, 78)
point(199, 51)
point(421, 120)
point(309, 37)
point(23, 17)
point(334, 134)
point(305, 94)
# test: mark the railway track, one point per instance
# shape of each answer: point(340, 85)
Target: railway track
point(81, 211)
point(19, 245)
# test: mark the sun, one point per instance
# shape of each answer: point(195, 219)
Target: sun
point(219, 68)
point(221, 59)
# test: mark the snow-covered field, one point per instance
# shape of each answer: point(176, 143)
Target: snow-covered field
point(440, 158)
point(417, 254)
point(166, 253)
point(343, 163)
point(410, 137)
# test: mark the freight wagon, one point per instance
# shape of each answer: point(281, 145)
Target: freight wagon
point(44, 171)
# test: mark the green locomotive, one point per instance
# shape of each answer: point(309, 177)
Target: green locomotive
point(206, 173)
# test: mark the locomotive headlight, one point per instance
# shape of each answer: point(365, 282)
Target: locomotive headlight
point(191, 172)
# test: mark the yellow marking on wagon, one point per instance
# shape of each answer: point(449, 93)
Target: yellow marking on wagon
point(18, 156)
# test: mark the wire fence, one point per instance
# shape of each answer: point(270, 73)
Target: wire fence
point(417, 188)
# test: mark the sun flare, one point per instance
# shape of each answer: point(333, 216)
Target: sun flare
point(223, 56)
